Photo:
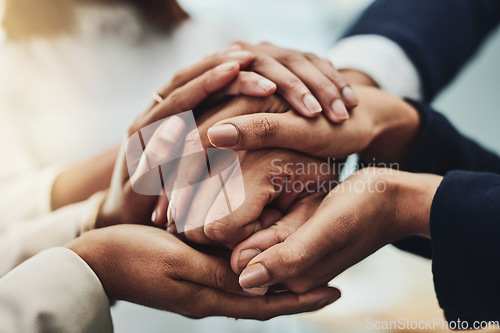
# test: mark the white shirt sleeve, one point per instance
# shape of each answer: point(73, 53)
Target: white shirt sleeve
point(381, 59)
point(25, 189)
point(22, 239)
point(55, 291)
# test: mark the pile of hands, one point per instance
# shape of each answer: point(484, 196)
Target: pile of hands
point(287, 118)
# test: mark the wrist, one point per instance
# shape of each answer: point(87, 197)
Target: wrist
point(415, 193)
point(395, 128)
point(91, 248)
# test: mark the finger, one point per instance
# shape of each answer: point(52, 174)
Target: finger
point(326, 67)
point(159, 216)
point(321, 86)
point(289, 85)
point(243, 58)
point(248, 84)
point(277, 233)
point(321, 273)
point(221, 189)
point(145, 180)
point(208, 270)
point(190, 95)
point(256, 131)
point(230, 228)
point(251, 84)
point(219, 303)
point(300, 251)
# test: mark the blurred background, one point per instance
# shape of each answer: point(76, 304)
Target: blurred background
point(72, 96)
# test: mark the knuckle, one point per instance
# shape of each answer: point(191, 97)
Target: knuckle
point(310, 56)
point(326, 86)
point(282, 233)
point(177, 80)
point(293, 83)
point(288, 57)
point(175, 98)
point(217, 231)
point(266, 128)
point(293, 258)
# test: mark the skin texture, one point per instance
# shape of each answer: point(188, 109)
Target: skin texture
point(123, 204)
point(381, 127)
point(151, 267)
point(374, 207)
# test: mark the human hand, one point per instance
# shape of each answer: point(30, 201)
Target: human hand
point(310, 84)
point(374, 207)
point(382, 127)
point(151, 267)
point(273, 180)
point(187, 90)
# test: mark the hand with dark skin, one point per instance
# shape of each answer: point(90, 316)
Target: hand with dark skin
point(123, 204)
point(371, 209)
point(382, 127)
point(151, 267)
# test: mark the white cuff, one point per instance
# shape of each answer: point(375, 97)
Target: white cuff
point(55, 291)
point(381, 59)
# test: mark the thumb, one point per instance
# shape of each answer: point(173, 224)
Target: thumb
point(263, 130)
point(300, 251)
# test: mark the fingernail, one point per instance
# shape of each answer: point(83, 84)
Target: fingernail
point(153, 217)
point(256, 291)
point(312, 104)
point(326, 301)
point(170, 214)
point(266, 85)
point(253, 276)
point(239, 55)
point(246, 256)
point(350, 96)
point(227, 67)
point(339, 110)
point(223, 135)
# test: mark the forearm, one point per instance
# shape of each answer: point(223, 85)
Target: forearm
point(82, 180)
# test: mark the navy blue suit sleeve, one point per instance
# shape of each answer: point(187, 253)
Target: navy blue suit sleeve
point(465, 233)
point(440, 148)
point(438, 36)
point(464, 221)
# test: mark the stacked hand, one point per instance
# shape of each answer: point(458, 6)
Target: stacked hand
point(279, 232)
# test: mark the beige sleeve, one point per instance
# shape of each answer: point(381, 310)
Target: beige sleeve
point(55, 291)
point(22, 239)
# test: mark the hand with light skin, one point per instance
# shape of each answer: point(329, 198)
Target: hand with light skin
point(371, 209)
point(382, 127)
point(151, 267)
point(193, 209)
point(179, 94)
point(273, 181)
point(214, 79)
point(306, 81)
